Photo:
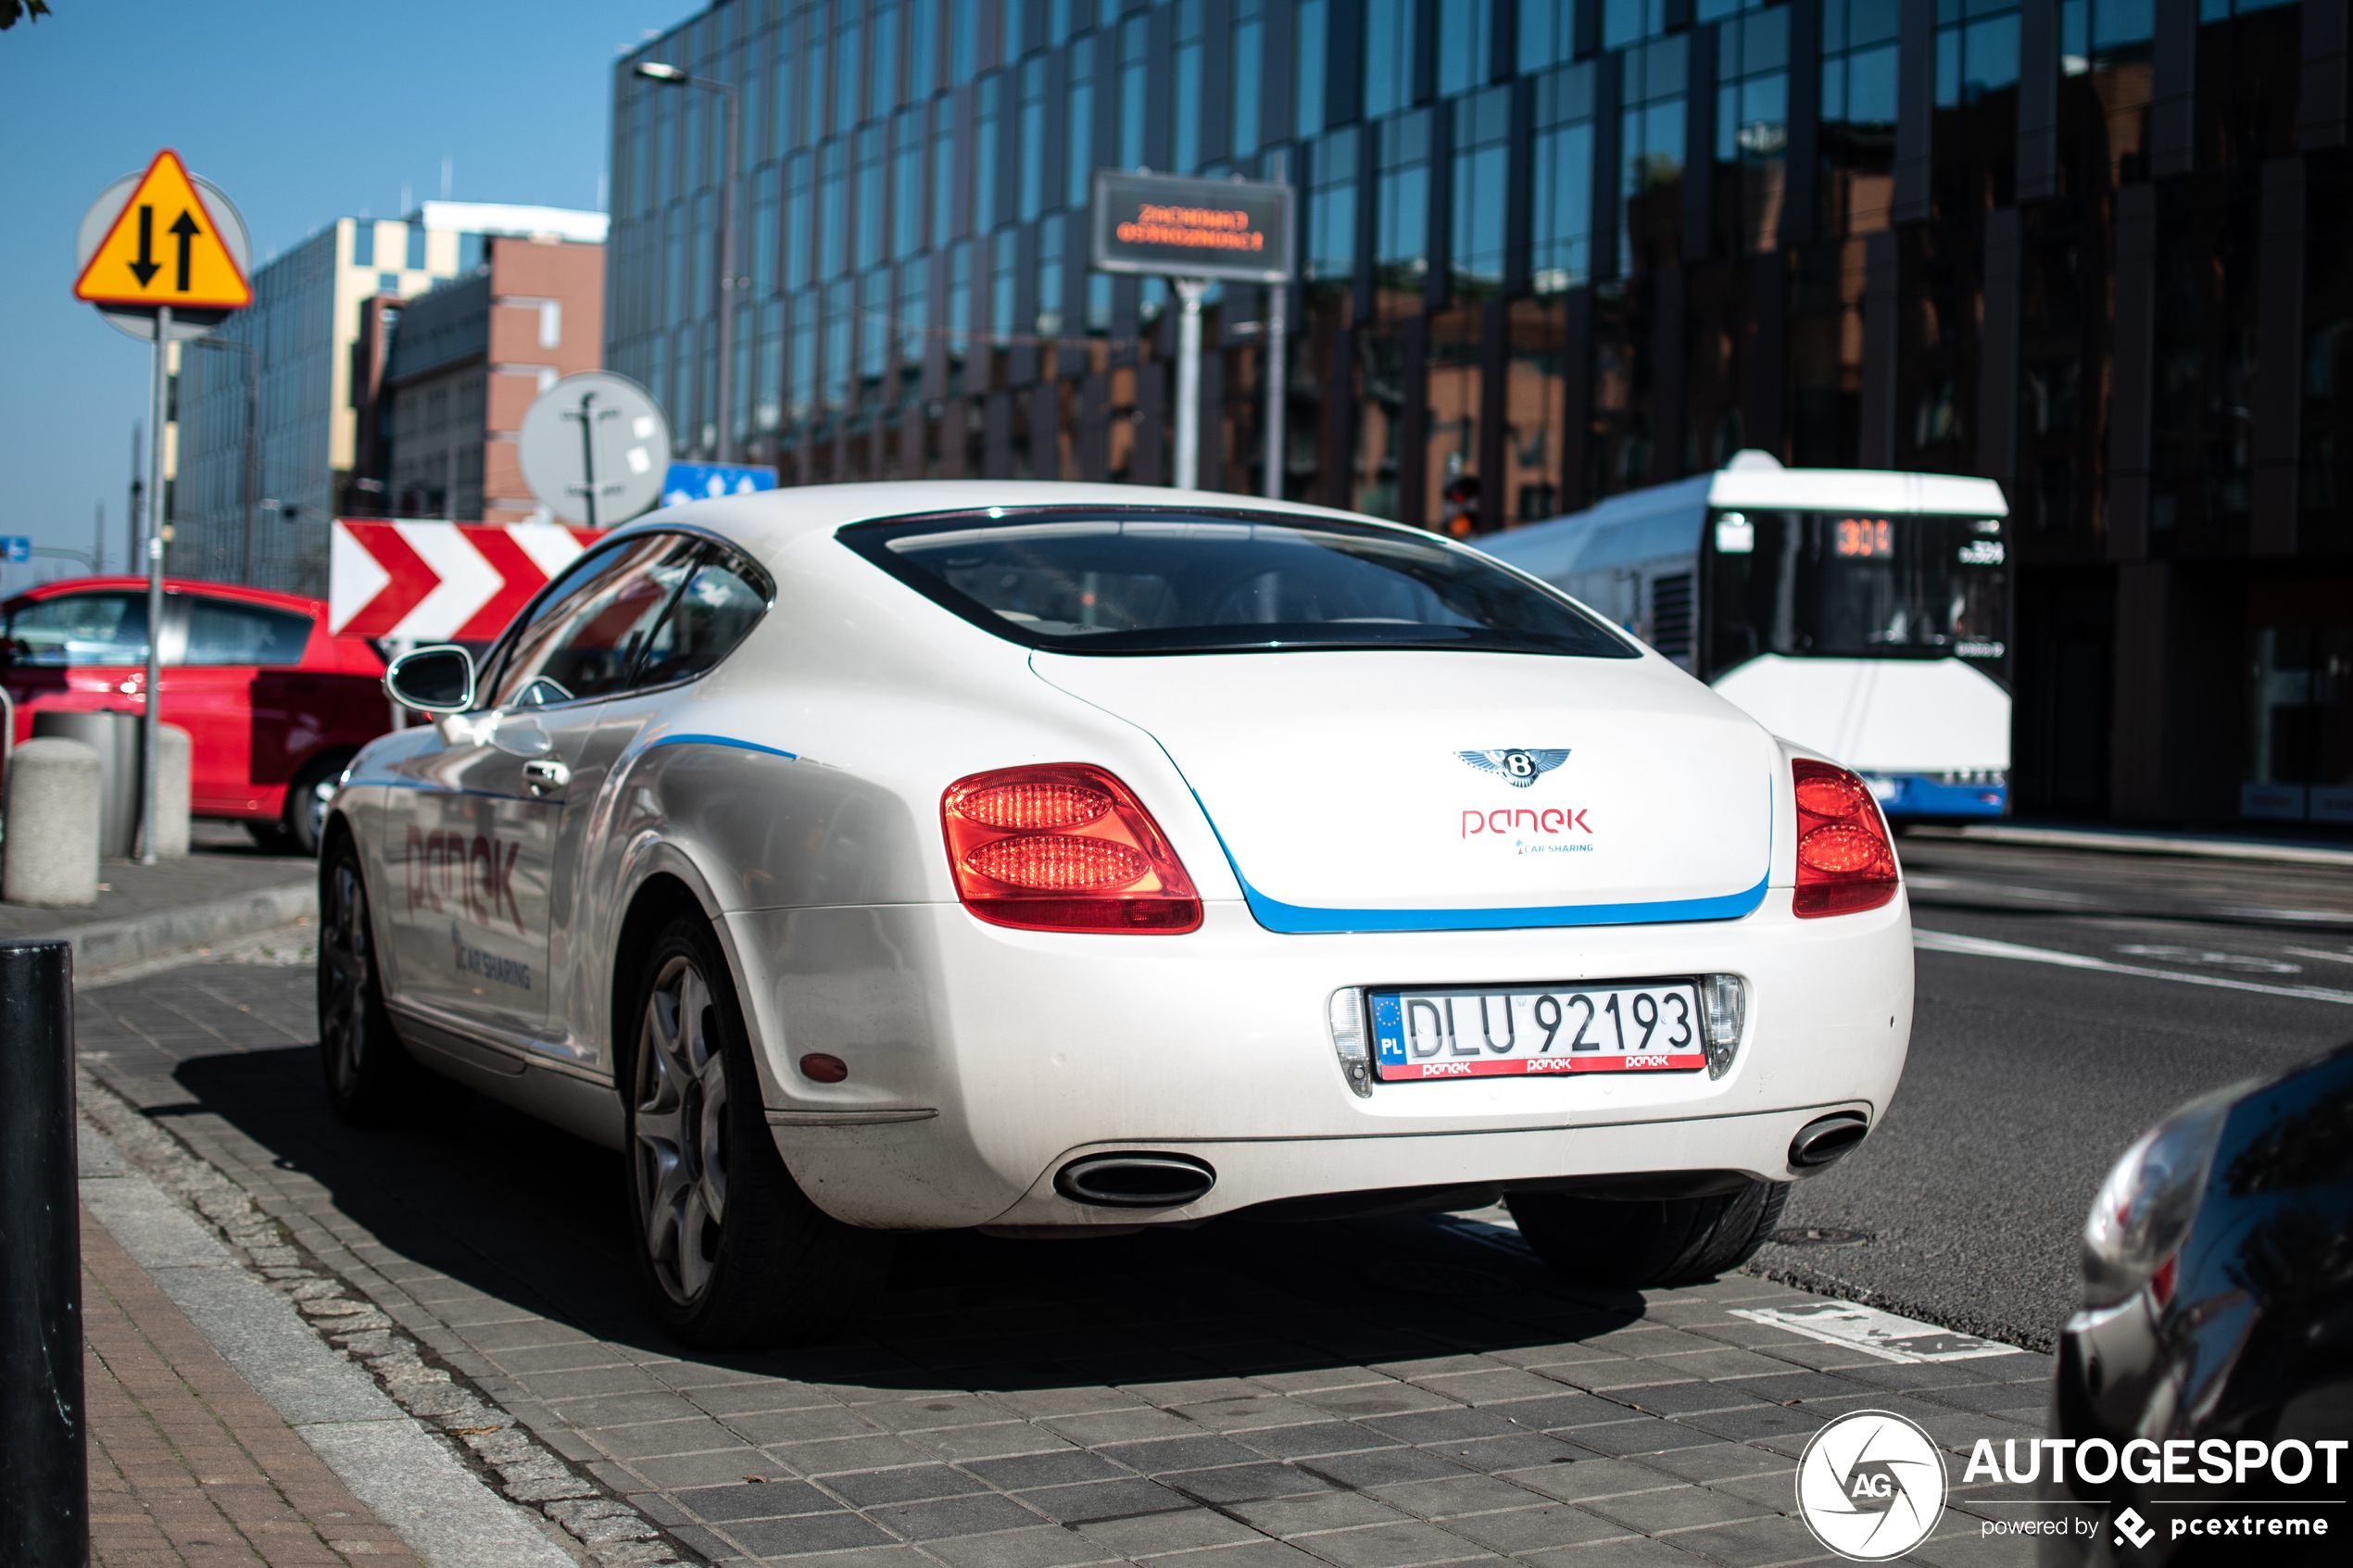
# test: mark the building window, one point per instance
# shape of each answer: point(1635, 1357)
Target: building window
point(833, 215)
point(882, 86)
point(943, 171)
point(1032, 137)
point(960, 306)
point(1858, 62)
point(782, 123)
point(2090, 34)
point(1651, 151)
point(767, 410)
point(796, 235)
point(1049, 276)
point(911, 317)
point(1079, 132)
point(763, 230)
point(1752, 119)
point(1389, 55)
point(1310, 52)
point(874, 334)
point(1400, 244)
point(907, 183)
point(1004, 267)
point(845, 43)
point(803, 399)
point(813, 94)
point(1630, 21)
point(1976, 49)
point(986, 149)
point(1246, 63)
point(964, 40)
point(1466, 46)
point(841, 314)
point(1561, 197)
point(1547, 32)
point(870, 195)
point(923, 49)
point(1189, 52)
point(1482, 156)
point(1331, 207)
point(1134, 45)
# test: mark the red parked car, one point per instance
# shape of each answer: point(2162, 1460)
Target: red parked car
point(274, 706)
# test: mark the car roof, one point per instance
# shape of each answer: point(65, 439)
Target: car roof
point(770, 522)
point(317, 609)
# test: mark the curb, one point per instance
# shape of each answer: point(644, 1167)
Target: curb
point(106, 946)
point(2143, 844)
point(461, 1480)
point(387, 1457)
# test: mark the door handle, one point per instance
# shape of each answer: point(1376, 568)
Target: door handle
point(542, 776)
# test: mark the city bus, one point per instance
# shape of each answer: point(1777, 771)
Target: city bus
point(1860, 612)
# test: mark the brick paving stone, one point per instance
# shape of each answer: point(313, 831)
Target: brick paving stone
point(1194, 1397)
point(187, 1463)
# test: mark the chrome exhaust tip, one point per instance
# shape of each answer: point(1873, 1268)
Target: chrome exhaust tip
point(1826, 1140)
point(1136, 1180)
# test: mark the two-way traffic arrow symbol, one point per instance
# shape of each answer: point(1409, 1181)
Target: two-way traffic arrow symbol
point(146, 268)
point(186, 229)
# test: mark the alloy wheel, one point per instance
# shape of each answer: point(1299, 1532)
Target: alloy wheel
point(681, 1141)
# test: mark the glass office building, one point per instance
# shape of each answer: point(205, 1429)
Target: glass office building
point(1556, 249)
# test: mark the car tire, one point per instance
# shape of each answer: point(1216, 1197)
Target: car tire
point(371, 1079)
point(734, 1254)
point(1648, 1244)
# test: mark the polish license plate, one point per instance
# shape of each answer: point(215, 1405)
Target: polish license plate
point(1483, 1031)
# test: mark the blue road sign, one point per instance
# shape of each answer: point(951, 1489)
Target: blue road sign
point(16, 547)
point(700, 482)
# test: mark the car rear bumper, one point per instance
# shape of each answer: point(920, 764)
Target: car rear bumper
point(1031, 1049)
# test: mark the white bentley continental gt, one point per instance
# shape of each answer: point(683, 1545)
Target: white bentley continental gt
point(1061, 860)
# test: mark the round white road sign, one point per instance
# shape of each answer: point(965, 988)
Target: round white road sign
point(594, 449)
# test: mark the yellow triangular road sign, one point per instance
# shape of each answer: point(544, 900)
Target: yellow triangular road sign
point(165, 249)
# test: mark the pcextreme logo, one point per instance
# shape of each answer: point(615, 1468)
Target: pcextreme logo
point(1870, 1486)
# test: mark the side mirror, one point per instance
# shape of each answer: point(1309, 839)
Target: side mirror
point(435, 680)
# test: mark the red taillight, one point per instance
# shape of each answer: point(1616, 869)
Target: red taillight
point(1064, 846)
point(1845, 862)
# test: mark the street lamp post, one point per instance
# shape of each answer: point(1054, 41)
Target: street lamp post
point(677, 76)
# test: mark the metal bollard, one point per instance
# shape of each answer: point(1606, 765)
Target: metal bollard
point(51, 853)
point(44, 1478)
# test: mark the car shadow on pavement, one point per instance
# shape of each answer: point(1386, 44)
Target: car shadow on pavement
point(533, 1218)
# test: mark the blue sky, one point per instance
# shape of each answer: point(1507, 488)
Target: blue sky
point(303, 113)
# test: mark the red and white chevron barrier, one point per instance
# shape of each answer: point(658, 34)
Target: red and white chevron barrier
point(440, 582)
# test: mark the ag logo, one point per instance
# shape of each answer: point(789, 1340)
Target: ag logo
point(1516, 765)
point(1870, 1486)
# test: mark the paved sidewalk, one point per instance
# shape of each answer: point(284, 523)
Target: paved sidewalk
point(226, 890)
point(1378, 1395)
point(187, 1463)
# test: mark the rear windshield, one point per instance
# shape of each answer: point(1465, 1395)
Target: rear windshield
point(1169, 582)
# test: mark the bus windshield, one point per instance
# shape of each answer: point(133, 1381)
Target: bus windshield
point(1839, 585)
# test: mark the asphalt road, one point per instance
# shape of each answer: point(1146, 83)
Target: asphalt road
point(2031, 1071)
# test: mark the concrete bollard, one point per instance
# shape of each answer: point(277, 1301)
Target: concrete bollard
point(172, 750)
point(51, 853)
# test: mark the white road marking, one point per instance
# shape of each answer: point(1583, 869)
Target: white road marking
point(2319, 953)
point(1875, 1333)
point(1985, 948)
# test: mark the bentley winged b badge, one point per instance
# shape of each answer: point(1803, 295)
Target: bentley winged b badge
point(1516, 765)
